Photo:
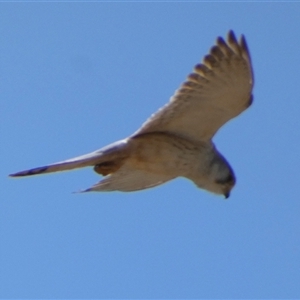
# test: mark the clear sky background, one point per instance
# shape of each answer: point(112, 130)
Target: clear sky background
point(78, 76)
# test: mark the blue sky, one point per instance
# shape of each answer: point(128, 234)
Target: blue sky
point(78, 76)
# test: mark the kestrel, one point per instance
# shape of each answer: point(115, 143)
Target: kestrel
point(176, 141)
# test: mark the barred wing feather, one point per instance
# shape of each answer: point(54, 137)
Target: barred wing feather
point(218, 90)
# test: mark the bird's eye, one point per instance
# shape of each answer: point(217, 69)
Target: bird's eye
point(230, 178)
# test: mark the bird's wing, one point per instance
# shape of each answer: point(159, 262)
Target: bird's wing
point(128, 179)
point(111, 152)
point(218, 90)
point(74, 163)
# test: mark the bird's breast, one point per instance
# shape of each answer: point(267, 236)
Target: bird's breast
point(164, 153)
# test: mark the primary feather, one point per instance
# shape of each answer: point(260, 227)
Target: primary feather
point(218, 90)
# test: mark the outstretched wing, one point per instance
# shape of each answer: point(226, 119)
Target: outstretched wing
point(218, 90)
point(70, 164)
point(116, 151)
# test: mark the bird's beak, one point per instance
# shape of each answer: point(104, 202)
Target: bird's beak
point(227, 194)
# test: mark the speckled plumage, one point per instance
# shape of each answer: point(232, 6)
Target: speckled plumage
point(176, 141)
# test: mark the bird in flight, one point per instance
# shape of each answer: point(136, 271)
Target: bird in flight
point(176, 141)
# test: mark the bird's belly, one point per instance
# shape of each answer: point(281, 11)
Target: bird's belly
point(163, 154)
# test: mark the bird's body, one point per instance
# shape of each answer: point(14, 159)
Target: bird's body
point(176, 141)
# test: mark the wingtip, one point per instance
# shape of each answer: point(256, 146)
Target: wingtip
point(18, 174)
point(220, 40)
point(82, 191)
point(244, 46)
point(232, 42)
point(30, 172)
point(231, 36)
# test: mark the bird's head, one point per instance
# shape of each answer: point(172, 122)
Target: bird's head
point(226, 184)
point(217, 177)
point(221, 176)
